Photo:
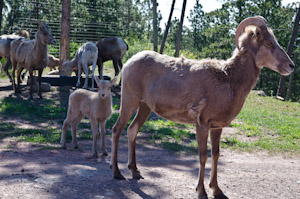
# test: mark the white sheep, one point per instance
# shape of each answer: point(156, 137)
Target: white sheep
point(85, 56)
point(96, 106)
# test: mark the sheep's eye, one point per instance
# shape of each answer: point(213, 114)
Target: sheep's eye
point(269, 43)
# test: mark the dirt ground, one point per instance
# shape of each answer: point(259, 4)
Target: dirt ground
point(30, 170)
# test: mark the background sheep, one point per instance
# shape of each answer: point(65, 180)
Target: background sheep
point(5, 41)
point(32, 55)
point(96, 106)
point(111, 48)
point(207, 93)
point(85, 56)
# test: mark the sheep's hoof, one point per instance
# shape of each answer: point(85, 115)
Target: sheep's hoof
point(137, 175)
point(17, 90)
point(202, 195)
point(40, 97)
point(220, 196)
point(95, 155)
point(64, 147)
point(118, 176)
point(75, 146)
point(104, 153)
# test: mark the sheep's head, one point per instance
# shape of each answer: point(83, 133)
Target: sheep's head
point(104, 86)
point(67, 68)
point(44, 33)
point(261, 43)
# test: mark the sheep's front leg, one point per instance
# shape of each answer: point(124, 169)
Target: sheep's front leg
point(201, 136)
point(126, 112)
point(13, 77)
point(102, 146)
point(100, 67)
point(86, 71)
point(7, 64)
point(75, 122)
point(40, 83)
point(31, 83)
point(78, 76)
point(115, 63)
point(93, 72)
point(215, 135)
point(94, 125)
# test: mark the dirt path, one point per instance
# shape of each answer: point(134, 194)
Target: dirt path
point(30, 171)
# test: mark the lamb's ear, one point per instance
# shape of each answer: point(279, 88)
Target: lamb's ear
point(97, 79)
point(115, 79)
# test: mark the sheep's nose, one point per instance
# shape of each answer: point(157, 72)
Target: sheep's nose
point(103, 95)
point(292, 66)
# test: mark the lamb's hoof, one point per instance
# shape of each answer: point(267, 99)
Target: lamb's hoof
point(220, 196)
point(137, 175)
point(104, 153)
point(118, 176)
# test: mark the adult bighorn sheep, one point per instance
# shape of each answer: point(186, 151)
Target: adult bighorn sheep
point(5, 41)
point(208, 93)
point(111, 48)
point(32, 55)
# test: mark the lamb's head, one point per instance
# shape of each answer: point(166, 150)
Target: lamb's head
point(258, 39)
point(45, 35)
point(104, 86)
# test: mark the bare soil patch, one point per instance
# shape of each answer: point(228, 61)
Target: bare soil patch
point(36, 171)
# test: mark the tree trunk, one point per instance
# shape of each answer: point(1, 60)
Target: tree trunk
point(179, 32)
point(281, 86)
point(154, 8)
point(291, 79)
point(64, 50)
point(1, 8)
point(167, 29)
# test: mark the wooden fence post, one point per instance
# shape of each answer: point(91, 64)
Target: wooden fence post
point(64, 49)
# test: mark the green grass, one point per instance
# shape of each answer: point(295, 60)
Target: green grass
point(274, 125)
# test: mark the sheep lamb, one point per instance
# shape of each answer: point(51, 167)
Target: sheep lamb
point(96, 106)
point(32, 55)
point(85, 56)
point(207, 93)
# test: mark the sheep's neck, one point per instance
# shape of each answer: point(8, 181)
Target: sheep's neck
point(244, 74)
point(41, 50)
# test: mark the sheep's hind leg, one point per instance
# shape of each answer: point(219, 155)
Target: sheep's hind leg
point(140, 118)
point(74, 129)
point(40, 83)
point(125, 114)
point(94, 125)
point(201, 136)
point(7, 64)
point(86, 71)
point(31, 83)
point(215, 135)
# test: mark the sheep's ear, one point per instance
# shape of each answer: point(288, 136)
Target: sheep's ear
point(112, 82)
point(97, 79)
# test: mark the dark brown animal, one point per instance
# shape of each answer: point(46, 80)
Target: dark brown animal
point(32, 55)
point(207, 93)
point(111, 48)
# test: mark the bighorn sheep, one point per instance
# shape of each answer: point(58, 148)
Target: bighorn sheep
point(111, 48)
point(32, 55)
point(207, 93)
point(5, 41)
point(96, 106)
point(85, 56)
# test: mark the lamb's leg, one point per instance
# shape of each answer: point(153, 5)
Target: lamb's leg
point(7, 64)
point(40, 82)
point(66, 124)
point(201, 136)
point(127, 109)
point(78, 76)
point(103, 131)
point(100, 67)
point(140, 118)
point(215, 135)
point(94, 125)
point(74, 124)
point(86, 71)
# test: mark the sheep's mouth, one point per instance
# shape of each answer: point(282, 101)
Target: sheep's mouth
point(284, 71)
